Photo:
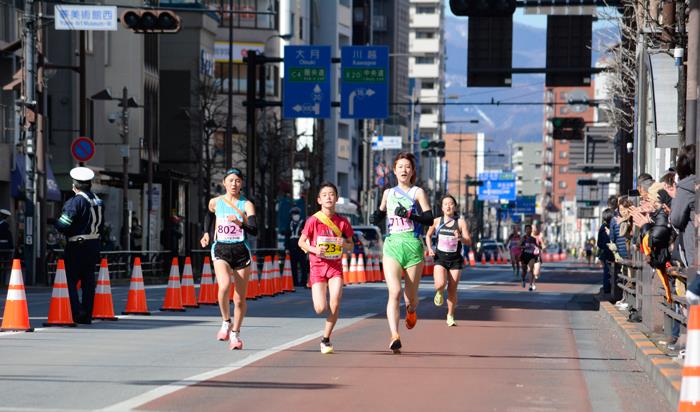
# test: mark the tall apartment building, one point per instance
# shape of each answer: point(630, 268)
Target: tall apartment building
point(527, 166)
point(427, 61)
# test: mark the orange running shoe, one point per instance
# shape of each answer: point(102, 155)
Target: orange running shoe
point(395, 345)
point(411, 319)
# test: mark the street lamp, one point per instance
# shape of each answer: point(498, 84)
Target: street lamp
point(126, 103)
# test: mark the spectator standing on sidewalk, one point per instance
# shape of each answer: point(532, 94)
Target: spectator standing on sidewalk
point(683, 205)
point(605, 255)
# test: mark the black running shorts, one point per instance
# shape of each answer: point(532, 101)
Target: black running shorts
point(236, 255)
point(449, 260)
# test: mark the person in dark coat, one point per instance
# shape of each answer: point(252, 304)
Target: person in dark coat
point(300, 264)
point(6, 241)
point(683, 205)
point(605, 255)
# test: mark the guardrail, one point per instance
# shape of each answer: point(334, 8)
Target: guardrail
point(638, 284)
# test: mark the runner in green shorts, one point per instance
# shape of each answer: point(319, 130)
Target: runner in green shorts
point(407, 208)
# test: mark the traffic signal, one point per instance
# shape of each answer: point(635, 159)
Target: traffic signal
point(483, 8)
point(568, 128)
point(434, 148)
point(151, 21)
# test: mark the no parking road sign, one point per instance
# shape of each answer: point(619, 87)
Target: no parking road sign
point(82, 149)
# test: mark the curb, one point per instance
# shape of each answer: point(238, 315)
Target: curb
point(663, 371)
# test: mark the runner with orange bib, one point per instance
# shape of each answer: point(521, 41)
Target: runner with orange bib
point(325, 236)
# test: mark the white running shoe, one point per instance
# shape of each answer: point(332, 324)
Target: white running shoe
point(235, 341)
point(326, 348)
point(224, 332)
point(533, 287)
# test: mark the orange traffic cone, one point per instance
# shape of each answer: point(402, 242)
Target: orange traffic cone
point(690, 386)
point(472, 259)
point(173, 294)
point(483, 259)
point(60, 313)
point(346, 270)
point(207, 293)
point(498, 259)
point(276, 274)
point(16, 314)
point(189, 297)
point(371, 273)
point(103, 307)
point(287, 279)
point(252, 292)
point(352, 276)
point(491, 260)
point(267, 281)
point(136, 301)
point(361, 271)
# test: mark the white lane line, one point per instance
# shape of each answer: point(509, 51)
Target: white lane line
point(159, 392)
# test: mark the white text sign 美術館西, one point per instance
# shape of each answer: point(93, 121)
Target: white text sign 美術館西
point(85, 17)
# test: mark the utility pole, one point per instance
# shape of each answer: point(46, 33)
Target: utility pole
point(366, 147)
point(691, 97)
point(125, 168)
point(28, 108)
point(228, 139)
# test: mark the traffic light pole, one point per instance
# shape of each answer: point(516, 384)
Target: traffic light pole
point(125, 169)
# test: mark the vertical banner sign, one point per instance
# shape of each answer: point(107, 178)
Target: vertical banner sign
point(307, 82)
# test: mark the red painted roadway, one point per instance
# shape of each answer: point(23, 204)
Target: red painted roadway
point(511, 350)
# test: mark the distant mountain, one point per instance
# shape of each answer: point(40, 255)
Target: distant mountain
point(501, 123)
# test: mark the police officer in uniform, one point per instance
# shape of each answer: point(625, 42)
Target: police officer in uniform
point(81, 222)
point(300, 268)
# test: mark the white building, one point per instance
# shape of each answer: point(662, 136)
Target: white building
point(427, 61)
point(527, 166)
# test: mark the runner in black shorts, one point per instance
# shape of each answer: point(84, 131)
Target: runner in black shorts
point(451, 233)
point(232, 219)
point(531, 254)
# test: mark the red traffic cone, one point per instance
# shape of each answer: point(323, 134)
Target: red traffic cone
point(690, 385)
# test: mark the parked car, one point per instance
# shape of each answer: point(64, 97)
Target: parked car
point(486, 248)
point(370, 239)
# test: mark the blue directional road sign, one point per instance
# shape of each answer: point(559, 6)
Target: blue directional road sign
point(307, 82)
point(497, 186)
point(364, 86)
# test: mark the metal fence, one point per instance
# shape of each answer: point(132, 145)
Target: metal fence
point(640, 287)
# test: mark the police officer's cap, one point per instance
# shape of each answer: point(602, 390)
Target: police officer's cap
point(295, 210)
point(5, 212)
point(82, 174)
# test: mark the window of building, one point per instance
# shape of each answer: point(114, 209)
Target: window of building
point(563, 154)
point(301, 28)
point(425, 60)
point(425, 10)
point(427, 85)
point(562, 199)
point(425, 35)
point(562, 184)
point(563, 169)
point(427, 110)
point(239, 79)
point(252, 20)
